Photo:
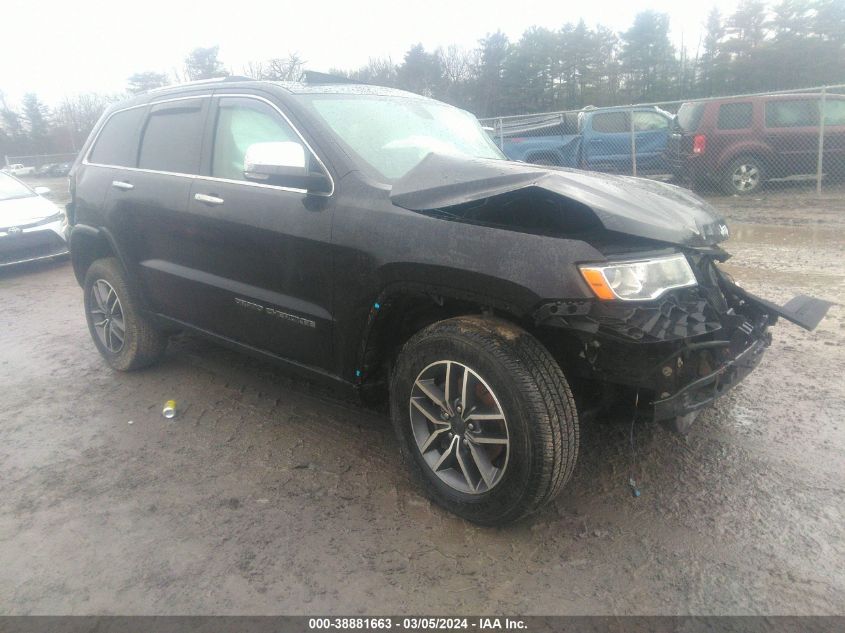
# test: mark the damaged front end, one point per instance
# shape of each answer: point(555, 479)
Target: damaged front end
point(684, 349)
point(685, 341)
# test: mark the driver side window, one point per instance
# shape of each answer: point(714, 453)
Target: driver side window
point(242, 122)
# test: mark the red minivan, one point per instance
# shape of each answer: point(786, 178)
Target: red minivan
point(740, 142)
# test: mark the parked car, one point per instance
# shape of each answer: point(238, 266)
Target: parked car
point(44, 170)
point(381, 242)
point(19, 169)
point(53, 170)
point(60, 169)
point(740, 142)
point(31, 227)
point(598, 139)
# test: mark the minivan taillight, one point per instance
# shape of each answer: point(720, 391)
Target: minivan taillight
point(699, 144)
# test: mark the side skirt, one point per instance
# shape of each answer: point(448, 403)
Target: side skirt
point(308, 372)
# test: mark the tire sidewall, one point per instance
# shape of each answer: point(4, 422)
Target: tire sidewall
point(506, 496)
point(107, 271)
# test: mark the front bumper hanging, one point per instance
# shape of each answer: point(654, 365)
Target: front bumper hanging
point(688, 349)
point(703, 391)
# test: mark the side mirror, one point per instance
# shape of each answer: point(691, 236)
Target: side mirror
point(262, 161)
point(42, 191)
point(283, 163)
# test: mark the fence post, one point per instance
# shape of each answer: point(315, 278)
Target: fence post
point(820, 159)
point(501, 136)
point(633, 145)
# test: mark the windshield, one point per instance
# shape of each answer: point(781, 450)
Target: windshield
point(393, 134)
point(689, 116)
point(11, 188)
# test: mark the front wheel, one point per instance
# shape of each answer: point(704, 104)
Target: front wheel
point(485, 417)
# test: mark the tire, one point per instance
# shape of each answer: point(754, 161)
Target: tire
point(142, 343)
point(513, 374)
point(743, 176)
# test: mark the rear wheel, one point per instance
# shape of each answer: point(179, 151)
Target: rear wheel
point(123, 335)
point(485, 417)
point(744, 175)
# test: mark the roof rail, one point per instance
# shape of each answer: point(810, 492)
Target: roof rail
point(199, 82)
point(314, 77)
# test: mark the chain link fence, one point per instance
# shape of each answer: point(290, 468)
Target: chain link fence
point(40, 164)
point(738, 145)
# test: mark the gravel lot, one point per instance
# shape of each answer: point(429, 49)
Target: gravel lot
point(266, 495)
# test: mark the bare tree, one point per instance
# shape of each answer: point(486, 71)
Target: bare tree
point(458, 63)
point(277, 68)
point(284, 68)
point(254, 70)
point(78, 115)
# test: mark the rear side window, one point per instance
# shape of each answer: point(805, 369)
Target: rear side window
point(240, 123)
point(797, 113)
point(834, 112)
point(734, 116)
point(649, 121)
point(689, 116)
point(172, 137)
point(117, 142)
point(611, 122)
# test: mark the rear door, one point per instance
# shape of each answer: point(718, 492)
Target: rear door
point(256, 257)
point(792, 131)
point(651, 131)
point(607, 141)
point(114, 149)
point(147, 203)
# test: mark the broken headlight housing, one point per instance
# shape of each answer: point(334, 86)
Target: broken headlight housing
point(639, 280)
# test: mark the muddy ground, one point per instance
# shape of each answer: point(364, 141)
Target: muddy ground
point(266, 495)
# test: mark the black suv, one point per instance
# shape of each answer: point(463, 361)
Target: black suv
point(380, 241)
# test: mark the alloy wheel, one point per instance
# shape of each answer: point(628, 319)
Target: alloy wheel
point(459, 427)
point(745, 177)
point(107, 316)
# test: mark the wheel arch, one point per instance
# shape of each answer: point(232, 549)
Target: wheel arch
point(402, 309)
point(88, 244)
point(758, 151)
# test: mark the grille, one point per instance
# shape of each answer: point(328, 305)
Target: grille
point(30, 246)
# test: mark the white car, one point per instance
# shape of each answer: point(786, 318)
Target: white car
point(19, 169)
point(31, 227)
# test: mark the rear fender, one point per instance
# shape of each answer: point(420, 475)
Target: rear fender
point(88, 244)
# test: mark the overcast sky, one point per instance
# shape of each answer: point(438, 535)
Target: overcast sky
point(59, 47)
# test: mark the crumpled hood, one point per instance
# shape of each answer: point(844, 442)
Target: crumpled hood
point(636, 206)
point(24, 211)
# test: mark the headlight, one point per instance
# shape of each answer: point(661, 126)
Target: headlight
point(639, 280)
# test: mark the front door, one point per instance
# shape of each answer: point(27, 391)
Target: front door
point(259, 255)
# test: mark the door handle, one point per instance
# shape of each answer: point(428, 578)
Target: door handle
point(119, 184)
point(207, 199)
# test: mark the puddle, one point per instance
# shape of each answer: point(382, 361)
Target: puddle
point(801, 235)
point(829, 285)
